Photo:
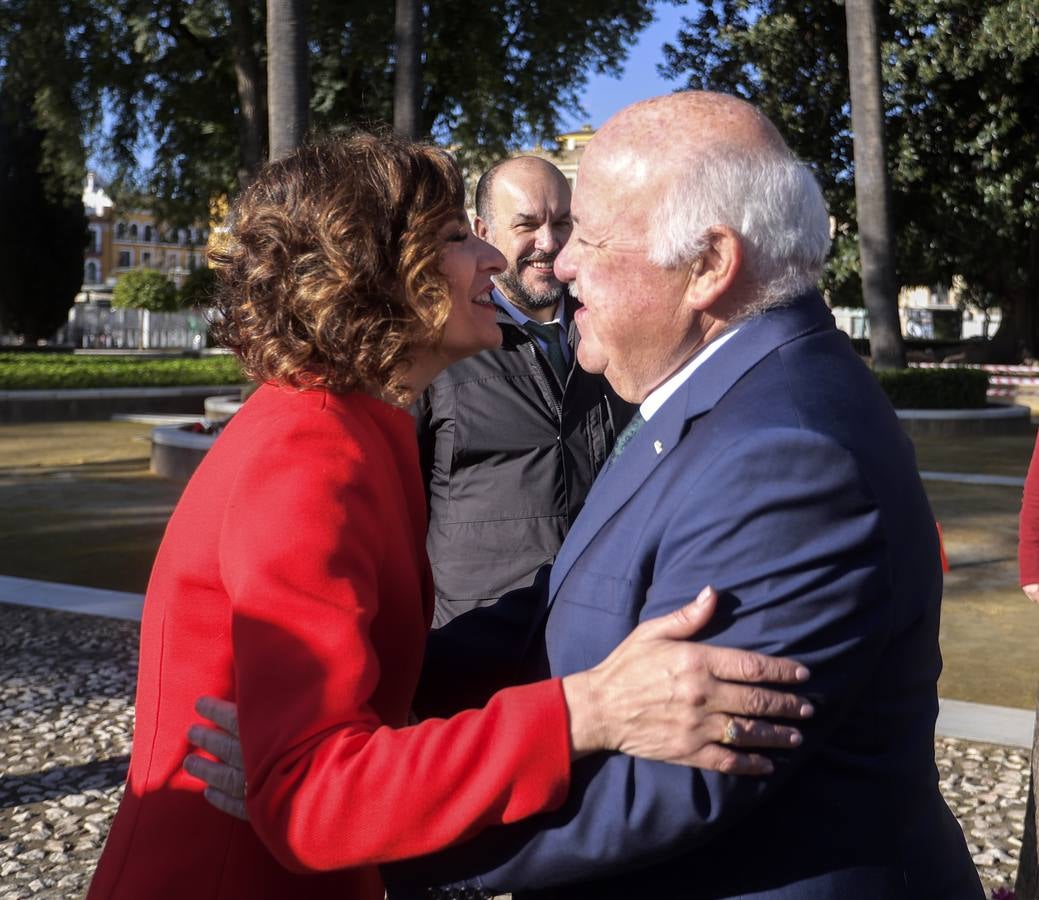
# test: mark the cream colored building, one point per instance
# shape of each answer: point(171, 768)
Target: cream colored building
point(125, 239)
point(568, 157)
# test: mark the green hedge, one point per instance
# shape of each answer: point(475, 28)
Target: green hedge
point(29, 371)
point(935, 388)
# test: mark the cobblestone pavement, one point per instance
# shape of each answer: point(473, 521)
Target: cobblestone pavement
point(66, 715)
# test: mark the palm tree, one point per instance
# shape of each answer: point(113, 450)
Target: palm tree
point(872, 186)
point(247, 80)
point(288, 83)
point(407, 76)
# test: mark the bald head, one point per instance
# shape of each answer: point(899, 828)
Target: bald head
point(715, 115)
point(523, 209)
point(521, 169)
point(655, 139)
point(705, 159)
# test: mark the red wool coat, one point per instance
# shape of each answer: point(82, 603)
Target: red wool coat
point(293, 580)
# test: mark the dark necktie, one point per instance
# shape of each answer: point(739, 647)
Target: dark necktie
point(549, 333)
point(630, 430)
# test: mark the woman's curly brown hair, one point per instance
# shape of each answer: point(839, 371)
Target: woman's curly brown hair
point(329, 276)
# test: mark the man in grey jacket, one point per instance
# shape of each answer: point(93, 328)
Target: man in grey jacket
point(511, 439)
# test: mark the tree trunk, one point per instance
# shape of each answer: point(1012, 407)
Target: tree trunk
point(1013, 341)
point(1017, 338)
point(288, 87)
point(247, 80)
point(407, 75)
point(1027, 886)
point(872, 186)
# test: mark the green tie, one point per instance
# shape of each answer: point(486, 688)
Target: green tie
point(549, 333)
point(630, 430)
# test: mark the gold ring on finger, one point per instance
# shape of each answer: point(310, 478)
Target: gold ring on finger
point(731, 733)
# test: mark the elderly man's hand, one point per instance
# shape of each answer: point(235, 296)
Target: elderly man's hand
point(660, 696)
point(1031, 592)
point(225, 779)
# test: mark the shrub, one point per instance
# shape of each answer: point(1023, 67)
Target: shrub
point(145, 289)
point(935, 388)
point(31, 371)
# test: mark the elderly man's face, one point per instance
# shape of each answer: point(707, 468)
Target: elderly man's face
point(634, 327)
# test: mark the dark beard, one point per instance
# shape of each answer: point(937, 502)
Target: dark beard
point(510, 285)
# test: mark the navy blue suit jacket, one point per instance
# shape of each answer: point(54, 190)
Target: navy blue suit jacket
point(778, 473)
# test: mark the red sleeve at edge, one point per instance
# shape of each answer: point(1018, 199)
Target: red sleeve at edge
point(1028, 543)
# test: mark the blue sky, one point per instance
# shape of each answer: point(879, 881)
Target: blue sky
point(604, 95)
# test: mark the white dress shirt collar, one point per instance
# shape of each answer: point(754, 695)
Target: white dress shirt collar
point(659, 396)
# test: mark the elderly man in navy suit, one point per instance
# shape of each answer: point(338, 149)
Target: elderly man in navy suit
point(768, 463)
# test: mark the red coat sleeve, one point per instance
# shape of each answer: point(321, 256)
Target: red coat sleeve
point(305, 555)
point(1028, 531)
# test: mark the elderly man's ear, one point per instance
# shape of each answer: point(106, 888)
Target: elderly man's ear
point(481, 229)
point(715, 272)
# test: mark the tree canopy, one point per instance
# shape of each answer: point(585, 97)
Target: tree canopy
point(961, 104)
point(181, 78)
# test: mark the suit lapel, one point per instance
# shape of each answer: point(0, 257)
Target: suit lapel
point(618, 482)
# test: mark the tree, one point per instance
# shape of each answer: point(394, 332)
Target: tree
point(191, 92)
point(498, 73)
point(145, 289)
point(249, 87)
point(872, 187)
point(288, 85)
point(43, 231)
point(183, 79)
point(407, 69)
point(959, 99)
point(971, 154)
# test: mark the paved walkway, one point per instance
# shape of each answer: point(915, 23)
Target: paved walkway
point(66, 720)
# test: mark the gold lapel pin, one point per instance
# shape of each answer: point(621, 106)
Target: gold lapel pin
point(659, 447)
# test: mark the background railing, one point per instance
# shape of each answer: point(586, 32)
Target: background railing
point(94, 327)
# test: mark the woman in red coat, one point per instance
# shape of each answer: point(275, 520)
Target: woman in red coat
point(293, 578)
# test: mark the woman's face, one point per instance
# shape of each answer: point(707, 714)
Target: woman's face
point(468, 264)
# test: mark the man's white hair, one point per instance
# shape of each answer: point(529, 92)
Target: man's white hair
point(769, 198)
